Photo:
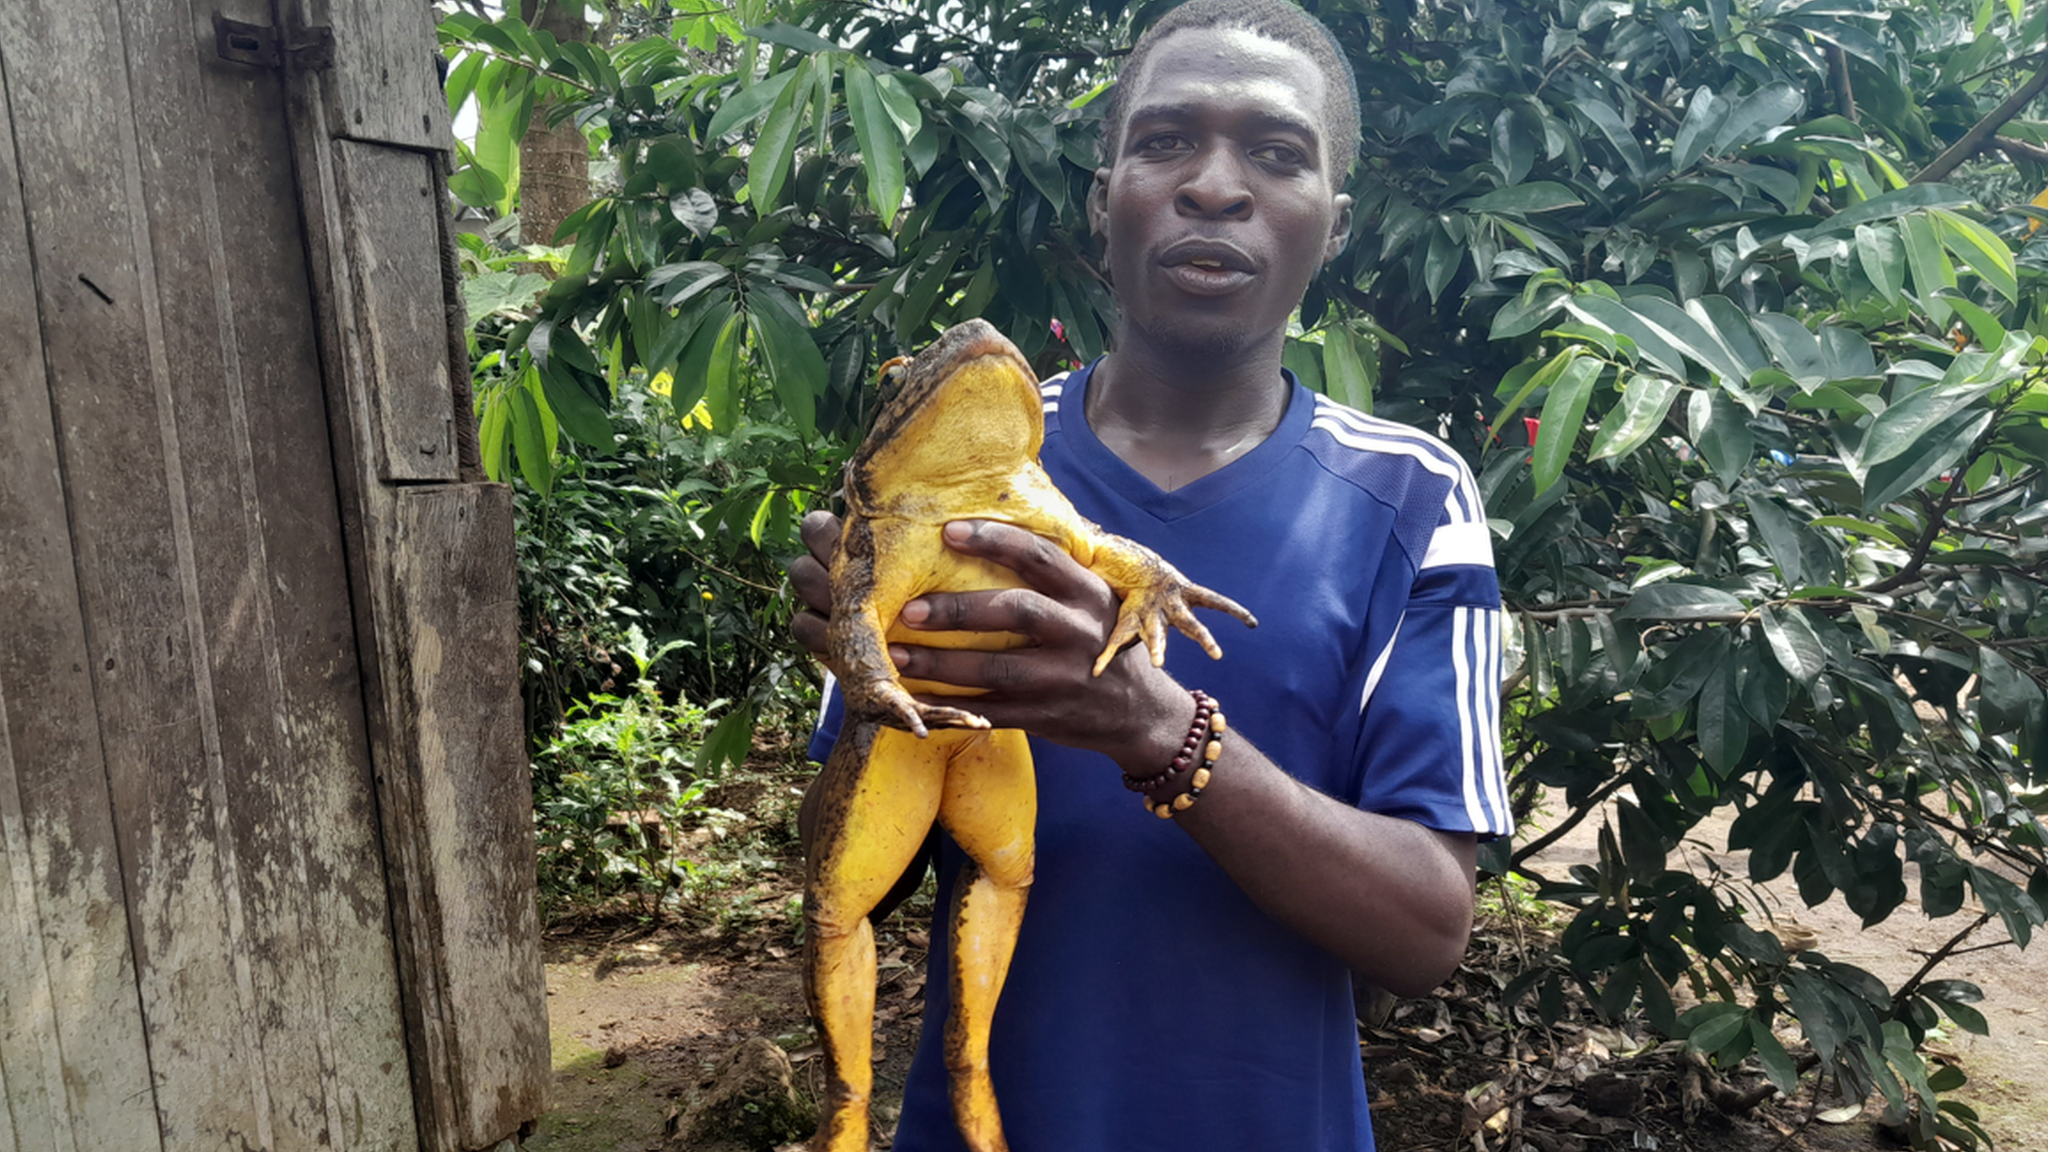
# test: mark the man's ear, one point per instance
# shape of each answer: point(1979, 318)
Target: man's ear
point(1340, 228)
point(1098, 208)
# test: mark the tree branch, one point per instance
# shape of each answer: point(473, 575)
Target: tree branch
point(2020, 149)
point(1975, 139)
point(1934, 960)
point(1579, 813)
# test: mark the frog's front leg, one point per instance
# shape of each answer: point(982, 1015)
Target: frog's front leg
point(1155, 594)
point(882, 789)
point(866, 598)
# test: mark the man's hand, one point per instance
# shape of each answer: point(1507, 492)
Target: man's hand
point(1133, 712)
point(810, 577)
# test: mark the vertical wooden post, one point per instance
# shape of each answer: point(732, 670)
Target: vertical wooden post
point(432, 568)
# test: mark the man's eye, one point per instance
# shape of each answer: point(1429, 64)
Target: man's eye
point(1164, 142)
point(1281, 155)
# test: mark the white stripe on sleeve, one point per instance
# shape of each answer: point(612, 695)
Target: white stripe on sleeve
point(1460, 542)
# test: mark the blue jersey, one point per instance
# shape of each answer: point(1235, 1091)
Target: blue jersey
point(1151, 1007)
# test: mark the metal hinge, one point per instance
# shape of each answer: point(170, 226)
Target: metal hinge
point(241, 42)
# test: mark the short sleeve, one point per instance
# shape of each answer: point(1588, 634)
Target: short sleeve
point(831, 714)
point(1430, 741)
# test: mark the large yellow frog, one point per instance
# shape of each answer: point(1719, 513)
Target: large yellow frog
point(958, 440)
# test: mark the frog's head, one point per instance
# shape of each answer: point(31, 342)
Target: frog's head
point(967, 404)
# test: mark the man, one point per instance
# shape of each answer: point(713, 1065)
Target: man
point(1183, 984)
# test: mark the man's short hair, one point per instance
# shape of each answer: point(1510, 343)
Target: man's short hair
point(1275, 20)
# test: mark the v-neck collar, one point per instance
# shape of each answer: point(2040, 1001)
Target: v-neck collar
point(1096, 458)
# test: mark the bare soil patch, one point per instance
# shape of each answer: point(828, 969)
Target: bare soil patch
point(640, 1016)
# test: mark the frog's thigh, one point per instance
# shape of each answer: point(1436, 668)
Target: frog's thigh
point(991, 804)
point(887, 815)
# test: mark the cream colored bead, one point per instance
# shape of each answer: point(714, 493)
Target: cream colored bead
point(1183, 802)
point(1201, 779)
point(1164, 811)
point(1216, 723)
point(1213, 751)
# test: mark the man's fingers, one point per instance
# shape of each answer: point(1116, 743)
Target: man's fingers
point(820, 533)
point(812, 584)
point(966, 668)
point(1018, 610)
point(810, 630)
point(1043, 564)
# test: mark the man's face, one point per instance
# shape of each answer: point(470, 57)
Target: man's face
point(1220, 203)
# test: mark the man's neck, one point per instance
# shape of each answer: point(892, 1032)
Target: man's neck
point(1176, 421)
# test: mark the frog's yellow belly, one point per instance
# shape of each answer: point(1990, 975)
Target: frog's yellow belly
point(945, 571)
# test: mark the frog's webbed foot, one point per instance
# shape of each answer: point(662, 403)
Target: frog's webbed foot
point(888, 702)
point(1170, 599)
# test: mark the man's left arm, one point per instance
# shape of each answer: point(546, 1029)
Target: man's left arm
point(1387, 895)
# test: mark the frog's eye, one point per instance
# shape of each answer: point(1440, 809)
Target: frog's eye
point(892, 372)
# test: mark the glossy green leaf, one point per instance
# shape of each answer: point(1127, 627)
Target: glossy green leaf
point(1564, 416)
point(530, 441)
point(1539, 196)
point(1344, 368)
point(1906, 423)
point(1883, 258)
point(1720, 430)
point(775, 147)
point(881, 147)
point(581, 414)
point(1794, 644)
point(1723, 726)
point(722, 378)
point(1610, 124)
point(1542, 377)
point(1782, 537)
point(1932, 271)
point(795, 366)
point(1444, 257)
point(1770, 1052)
point(1936, 453)
point(1758, 113)
point(1629, 424)
point(1674, 601)
point(494, 435)
point(1978, 247)
point(1514, 145)
point(1982, 324)
point(750, 104)
point(1704, 115)
point(900, 104)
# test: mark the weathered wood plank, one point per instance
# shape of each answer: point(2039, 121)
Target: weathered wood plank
point(75, 128)
point(395, 253)
point(275, 641)
point(74, 1074)
point(385, 81)
point(73, 1069)
point(453, 575)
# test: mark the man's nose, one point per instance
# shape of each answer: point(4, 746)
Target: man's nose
point(1215, 187)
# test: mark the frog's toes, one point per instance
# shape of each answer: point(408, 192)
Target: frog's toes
point(939, 716)
point(1147, 611)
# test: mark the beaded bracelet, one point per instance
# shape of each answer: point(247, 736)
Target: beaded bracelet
point(1205, 706)
point(1204, 744)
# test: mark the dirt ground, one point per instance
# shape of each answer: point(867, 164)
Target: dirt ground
point(639, 1017)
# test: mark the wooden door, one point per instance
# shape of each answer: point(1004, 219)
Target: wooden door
point(263, 836)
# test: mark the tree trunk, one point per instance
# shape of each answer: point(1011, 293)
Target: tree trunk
point(554, 162)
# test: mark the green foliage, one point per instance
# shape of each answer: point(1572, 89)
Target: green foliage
point(613, 792)
point(1769, 529)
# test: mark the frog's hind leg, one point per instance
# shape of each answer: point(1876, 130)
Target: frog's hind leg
point(991, 810)
point(882, 789)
